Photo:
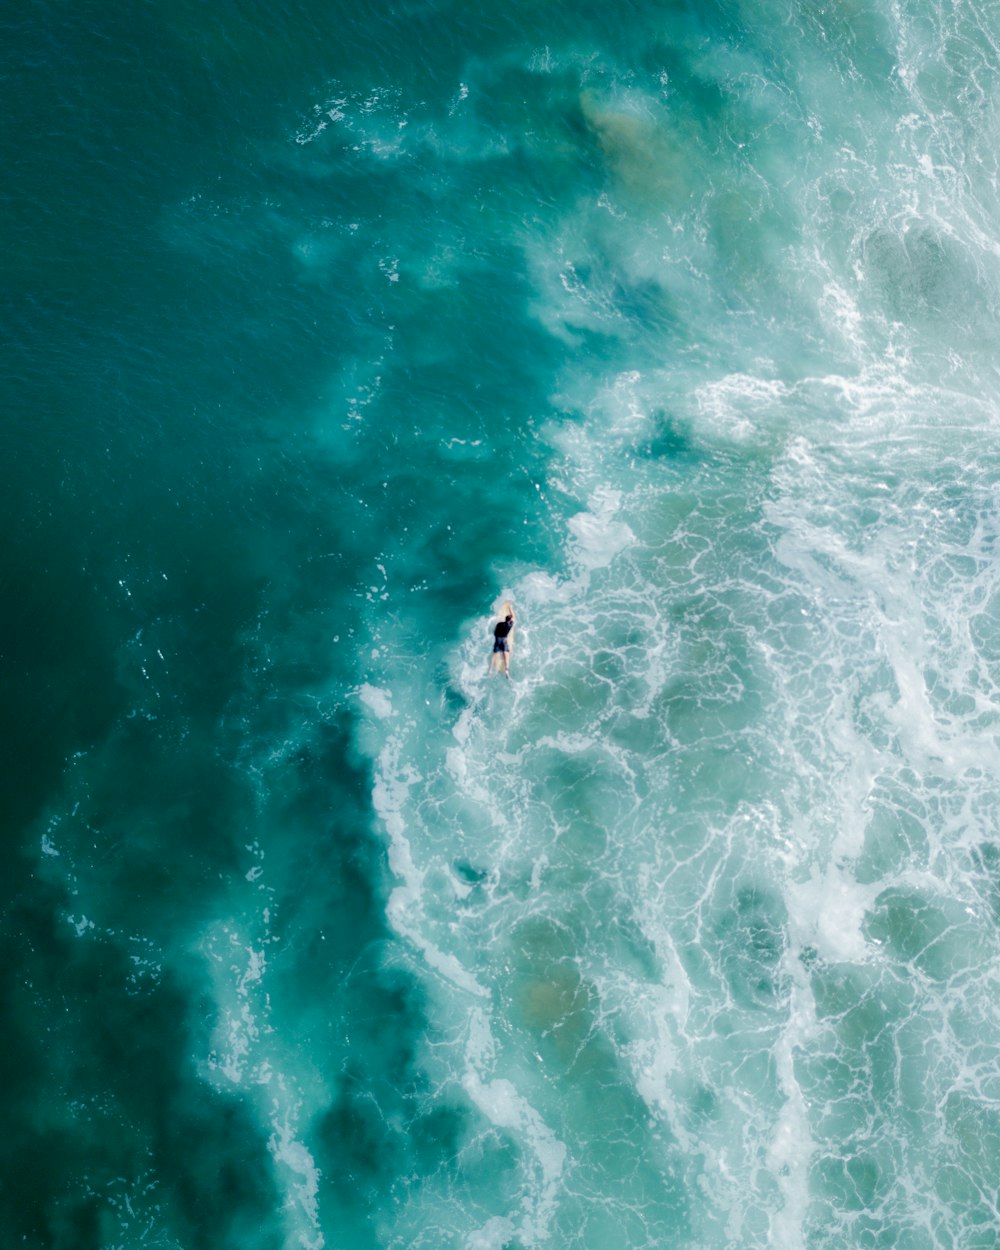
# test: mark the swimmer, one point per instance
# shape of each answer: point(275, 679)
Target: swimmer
point(503, 641)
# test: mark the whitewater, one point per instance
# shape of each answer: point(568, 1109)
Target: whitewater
point(707, 902)
point(678, 329)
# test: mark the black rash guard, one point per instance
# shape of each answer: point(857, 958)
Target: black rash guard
point(500, 632)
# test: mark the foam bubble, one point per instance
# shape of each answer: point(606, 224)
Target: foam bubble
point(503, 1106)
point(292, 1157)
point(599, 536)
point(376, 700)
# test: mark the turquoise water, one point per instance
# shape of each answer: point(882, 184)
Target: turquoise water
point(327, 330)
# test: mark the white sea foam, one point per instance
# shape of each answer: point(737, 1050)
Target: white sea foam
point(405, 907)
point(734, 406)
point(377, 701)
point(245, 1053)
point(599, 537)
point(298, 1164)
point(495, 1234)
point(721, 822)
point(503, 1106)
point(790, 1153)
point(798, 664)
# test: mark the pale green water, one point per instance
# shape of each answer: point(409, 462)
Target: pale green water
point(328, 331)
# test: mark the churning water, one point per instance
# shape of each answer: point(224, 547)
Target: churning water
point(329, 330)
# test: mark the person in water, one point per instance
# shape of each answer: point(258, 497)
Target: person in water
point(503, 640)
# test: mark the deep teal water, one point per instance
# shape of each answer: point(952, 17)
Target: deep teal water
point(327, 330)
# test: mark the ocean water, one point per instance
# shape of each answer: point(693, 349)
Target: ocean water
point(329, 328)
